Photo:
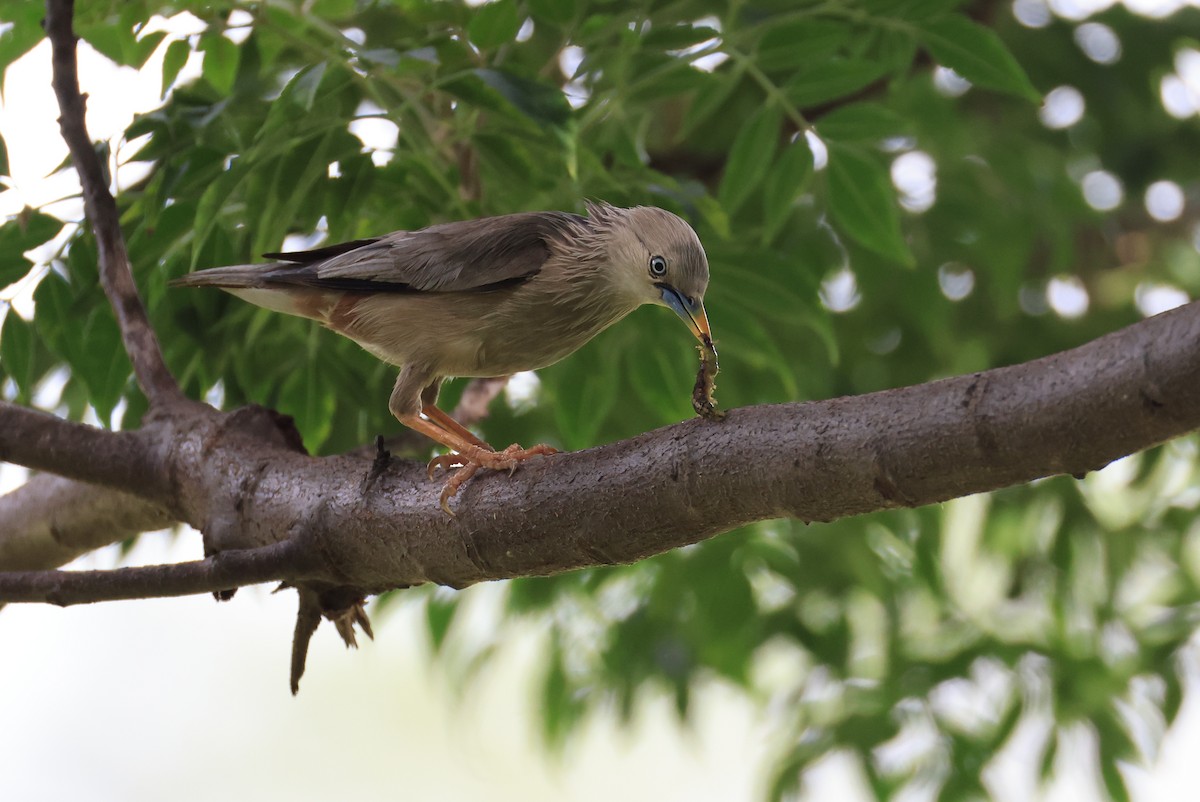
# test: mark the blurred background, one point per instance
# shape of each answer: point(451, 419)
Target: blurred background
point(890, 191)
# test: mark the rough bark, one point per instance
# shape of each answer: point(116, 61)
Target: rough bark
point(241, 481)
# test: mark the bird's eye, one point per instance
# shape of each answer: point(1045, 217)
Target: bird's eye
point(658, 266)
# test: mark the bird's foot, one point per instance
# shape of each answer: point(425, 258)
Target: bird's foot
point(471, 459)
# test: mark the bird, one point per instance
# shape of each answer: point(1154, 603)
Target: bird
point(480, 298)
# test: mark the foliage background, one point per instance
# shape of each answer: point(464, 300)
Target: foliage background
point(943, 227)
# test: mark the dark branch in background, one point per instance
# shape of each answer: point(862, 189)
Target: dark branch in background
point(476, 397)
point(116, 276)
point(229, 569)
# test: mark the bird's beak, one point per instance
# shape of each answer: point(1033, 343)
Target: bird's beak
point(691, 310)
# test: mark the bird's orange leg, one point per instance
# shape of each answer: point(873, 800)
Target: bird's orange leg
point(448, 423)
point(472, 453)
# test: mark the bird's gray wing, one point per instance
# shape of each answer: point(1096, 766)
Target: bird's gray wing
point(485, 254)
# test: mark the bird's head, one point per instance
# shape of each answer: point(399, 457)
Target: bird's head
point(658, 259)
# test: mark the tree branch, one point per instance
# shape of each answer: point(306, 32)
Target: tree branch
point(1070, 413)
point(121, 460)
point(229, 569)
point(49, 521)
point(116, 276)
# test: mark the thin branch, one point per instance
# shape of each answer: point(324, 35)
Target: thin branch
point(229, 569)
point(477, 396)
point(116, 276)
point(41, 441)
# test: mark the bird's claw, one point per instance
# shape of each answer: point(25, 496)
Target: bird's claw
point(514, 455)
point(444, 461)
point(456, 480)
point(470, 460)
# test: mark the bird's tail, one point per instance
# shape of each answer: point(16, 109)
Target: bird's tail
point(232, 277)
point(261, 286)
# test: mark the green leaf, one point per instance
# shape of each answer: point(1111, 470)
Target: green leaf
point(208, 210)
point(788, 45)
point(136, 407)
point(109, 40)
point(310, 402)
point(103, 365)
point(584, 390)
point(299, 177)
point(558, 12)
point(439, 615)
point(173, 61)
point(17, 345)
point(1114, 781)
point(661, 374)
point(763, 289)
point(540, 102)
point(4, 168)
point(13, 266)
point(145, 47)
point(678, 37)
point(493, 24)
point(562, 707)
point(507, 156)
point(220, 61)
point(22, 233)
point(707, 99)
point(860, 122)
point(85, 336)
point(302, 89)
point(896, 49)
point(863, 202)
point(829, 80)
point(55, 314)
point(334, 9)
point(913, 10)
point(977, 54)
point(1173, 697)
point(784, 184)
point(24, 32)
point(750, 157)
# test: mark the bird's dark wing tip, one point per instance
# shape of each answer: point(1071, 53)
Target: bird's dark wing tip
point(321, 254)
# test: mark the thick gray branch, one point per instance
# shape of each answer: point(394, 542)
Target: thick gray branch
point(1070, 413)
point(51, 520)
point(121, 460)
point(116, 277)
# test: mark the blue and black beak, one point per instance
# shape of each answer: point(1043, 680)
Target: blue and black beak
point(690, 309)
